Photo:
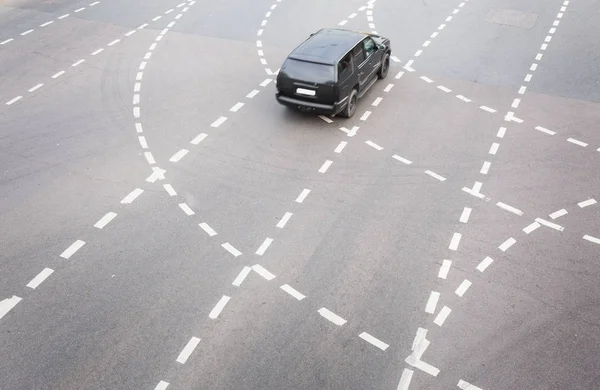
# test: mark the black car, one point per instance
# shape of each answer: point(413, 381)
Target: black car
point(331, 70)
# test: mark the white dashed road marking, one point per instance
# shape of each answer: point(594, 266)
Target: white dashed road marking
point(325, 166)
point(214, 313)
point(294, 293)
point(179, 155)
point(373, 145)
point(263, 272)
point(331, 316)
point(71, 250)
point(340, 147)
point(39, 279)
point(442, 316)
point(264, 246)
point(105, 220)
point(206, 227)
point(199, 138)
point(464, 286)
point(231, 249)
point(435, 175)
point(577, 142)
point(593, 239)
point(528, 229)
point(132, 196)
point(484, 264)
point(444, 268)
point(241, 276)
point(170, 190)
point(558, 213)
point(507, 244)
point(373, 341)
point(219, 122)
point(186, 209)
point(162, 385)
point(8, 304)
point(402, 159)
point(365, 116)
point(187, 350)
point(549, 224)
point(432, 302)
point(586, 203)
point(455, 241)
point(302, 195)
point(464, 217)
point(284, 220)
point(405, 379)
point(467, 386)
point(509, 208)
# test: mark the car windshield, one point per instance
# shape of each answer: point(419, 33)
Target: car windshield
point(309, 71)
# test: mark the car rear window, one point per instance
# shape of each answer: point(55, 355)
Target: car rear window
point(309, 71)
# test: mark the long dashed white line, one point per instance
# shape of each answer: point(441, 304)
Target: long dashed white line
point(6, 305)
point(264, 246)
point(170, 190)
point(284, 220)
point(509, 208)
point(405, 379)
point(259, 269)
point(162, 385)
point(186, 209)
point(530, 228)
point(365, 116)
point(577, 142)
point(14, 100)
point(402, 159)
point(178, 156)
point(507, 244)
point(72, 249)
point(206, 227)
point(325, 166)
point(373, 341)
point(331, 316)
point(219, 122)
point(302, 195)
point(467, 386)
point(549, 224)
point(485, 168)
point(231, 249)
point(466, 213)
point(241, 276)
point(293, 292)
point(187, 350)
point(373, 145)
point(149, 158)
point(442, 316)
point(494, 148)
point(214, 313)
point(40, 278)
point(593, 239)
point(432, 302)
point(340, 147)
point(484, 264)
point(435, 175)
point(444, 269)
point(586, 203)
point(455, 241)
point(105, 220)
point(132, 196)
point(199, 138)
point(464, 286)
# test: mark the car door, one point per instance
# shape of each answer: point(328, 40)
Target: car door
point(373, 58)
point(360, 61)
point(345, 70)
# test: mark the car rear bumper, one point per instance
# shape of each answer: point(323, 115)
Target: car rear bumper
point(327, 109)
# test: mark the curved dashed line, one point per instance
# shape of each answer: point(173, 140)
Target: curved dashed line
point(76, 63)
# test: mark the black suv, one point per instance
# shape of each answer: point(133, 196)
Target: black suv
point(331, 70)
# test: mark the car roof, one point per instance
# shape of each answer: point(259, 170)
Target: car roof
point(327, 45)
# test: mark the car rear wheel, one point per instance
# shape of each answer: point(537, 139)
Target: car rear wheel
point(385, 66)
point(351, 106)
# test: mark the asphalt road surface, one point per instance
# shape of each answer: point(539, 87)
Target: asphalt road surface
point(165, 223)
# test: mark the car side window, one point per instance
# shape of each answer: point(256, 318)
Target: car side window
point(359, 54)
point(369, 46)
point(345, 67)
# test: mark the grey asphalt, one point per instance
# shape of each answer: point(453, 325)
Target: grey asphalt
point(366, 243)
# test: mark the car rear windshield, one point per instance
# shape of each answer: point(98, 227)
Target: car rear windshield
point(309, 71)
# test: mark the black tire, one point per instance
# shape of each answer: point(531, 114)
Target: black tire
point(350, 109)
point(385, 66)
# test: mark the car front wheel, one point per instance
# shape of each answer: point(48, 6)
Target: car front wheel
point(385, 66)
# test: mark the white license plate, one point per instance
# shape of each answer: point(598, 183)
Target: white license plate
point(303, 91)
